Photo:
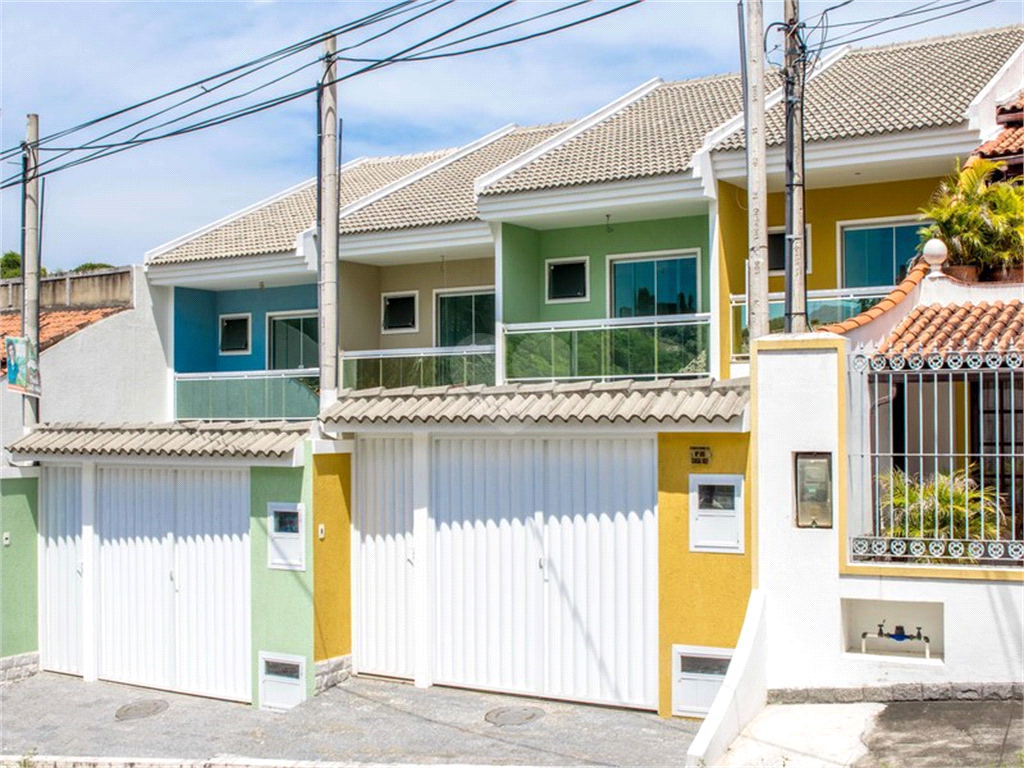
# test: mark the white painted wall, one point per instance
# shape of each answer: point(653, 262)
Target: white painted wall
point(983, 636)
point(114, 370)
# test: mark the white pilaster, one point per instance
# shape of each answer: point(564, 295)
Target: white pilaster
point(423, 563)
point(89, 557)
point(499, 314)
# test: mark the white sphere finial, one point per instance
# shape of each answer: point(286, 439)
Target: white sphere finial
point(935, 254)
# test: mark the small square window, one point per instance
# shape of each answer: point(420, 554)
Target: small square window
point(567, 280)
point(777, 250)
point(399, 312)
point(813, 490)
point(286, 521)
point(716, 497)
point(234, 334)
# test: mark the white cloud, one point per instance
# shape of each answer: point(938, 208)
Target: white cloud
point(111, 54)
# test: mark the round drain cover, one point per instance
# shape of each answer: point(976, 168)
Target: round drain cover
point(514, 715)
point(140, 709)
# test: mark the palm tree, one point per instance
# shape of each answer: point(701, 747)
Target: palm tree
point(981, 221)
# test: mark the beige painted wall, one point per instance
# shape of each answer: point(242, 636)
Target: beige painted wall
point(359, 289)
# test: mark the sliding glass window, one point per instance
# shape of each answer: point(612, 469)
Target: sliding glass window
point(465, 319)
point(661, 286)
point(294, 342)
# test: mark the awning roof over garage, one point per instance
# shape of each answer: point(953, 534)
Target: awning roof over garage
point(183, 439)
point(652, 403)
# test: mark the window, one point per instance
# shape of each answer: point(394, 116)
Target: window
point(878, 254)
point(235, 335)
point(398, 312)
point(716, 513)
point(697, 675)
point(465, 318)
point(777, 249)
point(293, 342)
point(567, 280)
point(286, 546)
point(813, 490)
point(662, 286)
point(282, 680)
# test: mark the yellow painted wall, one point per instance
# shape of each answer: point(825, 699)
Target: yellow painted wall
point(702, 596)
point(332, 575)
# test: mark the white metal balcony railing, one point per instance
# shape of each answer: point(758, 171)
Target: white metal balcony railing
point(609, 348)
point(823, 307)
point(418, 367)
point(231, 395)
point(936, 458)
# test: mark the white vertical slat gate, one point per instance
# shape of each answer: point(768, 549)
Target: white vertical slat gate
point(60, 569)
point(383, 558)
point(544, 573)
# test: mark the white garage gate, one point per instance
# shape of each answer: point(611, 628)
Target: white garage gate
point(172, 561)
point(544, 565)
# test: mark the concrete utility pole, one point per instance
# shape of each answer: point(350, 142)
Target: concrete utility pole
point(796, 260)
point(757, 178)
point(30, 257)
point(328, 226)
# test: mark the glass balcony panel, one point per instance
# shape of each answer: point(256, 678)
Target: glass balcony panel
point(248, 395)
point(459, 366)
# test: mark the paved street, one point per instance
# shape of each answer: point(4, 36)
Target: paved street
point(361, 720)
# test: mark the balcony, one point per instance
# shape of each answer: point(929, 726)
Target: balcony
point(279, 394)
point(823, 307)
point(613, 348)
point(422, 367)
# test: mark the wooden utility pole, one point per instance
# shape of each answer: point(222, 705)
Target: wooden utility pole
point(30, 257)
point(796, 260)
point(757, 178)
point(328, 195)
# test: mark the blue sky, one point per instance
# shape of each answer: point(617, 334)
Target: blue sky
point(71, 61)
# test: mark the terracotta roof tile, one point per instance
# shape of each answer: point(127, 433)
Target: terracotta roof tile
point(1008, 143)
point(966, 327)
point(896, 295)
point(54, 325)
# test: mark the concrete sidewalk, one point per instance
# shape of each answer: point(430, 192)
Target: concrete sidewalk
point(906, 734)
point(361, 721)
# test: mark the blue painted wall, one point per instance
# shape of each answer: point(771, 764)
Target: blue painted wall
point(196, 333)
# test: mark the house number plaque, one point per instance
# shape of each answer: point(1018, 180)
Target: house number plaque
point(700, 454)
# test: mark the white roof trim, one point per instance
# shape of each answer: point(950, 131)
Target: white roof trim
point(981, 112)
point(160, 249)
point(426, 170)
point(562, 137)
point(190, 273)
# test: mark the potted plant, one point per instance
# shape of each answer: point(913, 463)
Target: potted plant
point(980, 220)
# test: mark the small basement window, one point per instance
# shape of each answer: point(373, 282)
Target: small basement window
point(697, 675)
point(235, 334)
point(286, 546)
point(716, 513)
point(282, 680)
point(398, 312)
point(567, 280)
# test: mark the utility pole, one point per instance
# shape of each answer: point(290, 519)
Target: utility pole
point(30, 257)
point(796, 259)
point(328, 195)
point(757, 178)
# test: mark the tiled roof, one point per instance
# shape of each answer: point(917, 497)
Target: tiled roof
point(445, 196)
point(655, 135)
point(968, 327)
point(894, 88)
point(588, 402)
point(1014, 106)
point(273, 228)
point(54, 325)
point(1009, 143)
point(193, 439)
point(898, 294)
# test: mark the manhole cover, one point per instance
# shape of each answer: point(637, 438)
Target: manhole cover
point(140, 709)
point(513, 715)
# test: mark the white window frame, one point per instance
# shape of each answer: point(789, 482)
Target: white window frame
point(282, 315)
point(807, 250)
point(676, 253)
point(248, 329)
point(471, 290)
point(735, 480)
point(295, 687)
point(706, 651)
point(567, 260)
point(416, 312)
point(291, 545)
point(870, 223)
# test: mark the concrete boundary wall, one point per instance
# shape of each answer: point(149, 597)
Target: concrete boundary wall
point(743, 694)
point(101, 288)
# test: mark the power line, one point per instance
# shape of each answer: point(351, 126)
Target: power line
point(398, 57)
point(844, 41)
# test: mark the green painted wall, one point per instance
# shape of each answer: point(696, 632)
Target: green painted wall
point(523, 252)
point(18, 566)
point(282, 601)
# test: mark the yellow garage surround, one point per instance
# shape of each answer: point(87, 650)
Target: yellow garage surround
point(702, 596)
point(332, 575)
